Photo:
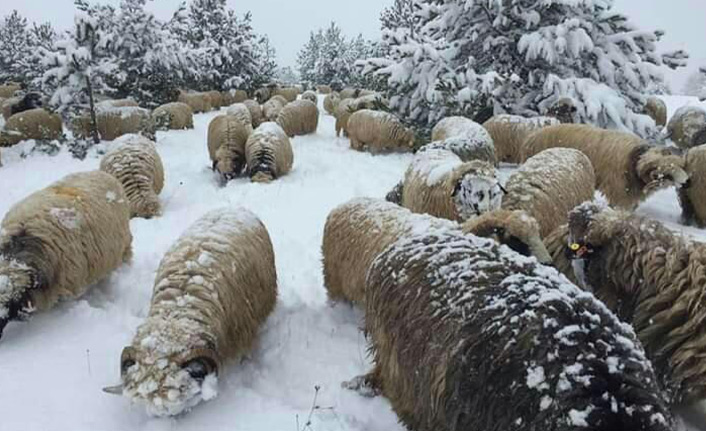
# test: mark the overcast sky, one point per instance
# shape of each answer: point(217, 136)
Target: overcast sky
point(288, 22)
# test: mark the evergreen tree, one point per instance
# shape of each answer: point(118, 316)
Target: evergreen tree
point(696, 84)
point(333, 63)
point(266, 60)
point(308, 57)
point(15, 47)
point(287, 76)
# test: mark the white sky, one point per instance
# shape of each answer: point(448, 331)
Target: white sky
point(288, 22)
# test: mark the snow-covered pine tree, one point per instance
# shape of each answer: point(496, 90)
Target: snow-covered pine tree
point(15, 47)
point(401, 15)
point(464, 56)
point(266, 60)
point(333, 63)
point(696, 84)
point(287, 76)
point(308, 56)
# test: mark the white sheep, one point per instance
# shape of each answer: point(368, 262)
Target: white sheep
point(378, 131)
point(173, 116)
point(300, 117)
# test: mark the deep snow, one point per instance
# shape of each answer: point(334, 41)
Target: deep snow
point(53, 367)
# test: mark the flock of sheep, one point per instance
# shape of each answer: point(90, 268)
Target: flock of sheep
point(468, 286)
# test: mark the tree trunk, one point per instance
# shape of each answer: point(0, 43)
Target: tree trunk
point(94, 122)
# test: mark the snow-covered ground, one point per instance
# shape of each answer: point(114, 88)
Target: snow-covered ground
point(53, 367)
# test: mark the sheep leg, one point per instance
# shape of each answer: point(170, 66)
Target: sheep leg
point(367, 385)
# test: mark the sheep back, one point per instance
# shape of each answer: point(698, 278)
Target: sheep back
point(378, 131)
point(255, 112)
point(199, 102)
point(268, 153)
point(687, 127)
point(467, 147)
point(300, 117)
point(216, 99)
point(508, 132)
point(173, 116)
point(241, 111)
point(32, 124)
point(331, 102)
point(289, 93)
point(323, 89)
point(272, 108)
point(233, 96)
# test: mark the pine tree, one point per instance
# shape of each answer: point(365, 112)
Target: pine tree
point(287, 76)
point(399, 16)
point(15, 47)
point(266, 61)
point(696, 84)
point(308, 56)
point(333, 63)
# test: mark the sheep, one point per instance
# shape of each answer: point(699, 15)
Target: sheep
point(350, 93)
point(199, 102)
point(692, 195)
point(330, 102)
point(137, 165)
point(216, 99)
point(233, 96)
point(549, 185)
point(563, 109)
point(657, 110)
point(438, 183)
point(652, 279)
point(508, 132)
point(378, 132)
point(33, 124)
point(15, 105)
point(467, 147)
point(271, 109)
point(213, 291)
point(310, 96)
point(687, 127)
point(114, 122)
point(323, 89)
point(355, 233)
point(255, 112)
point(461, 328)
point(344, 110)
point(58, 241)
point(241, 111)
point(108, 104)
point(173, 116)
point(281, 99)
point(262, 94)
point(370, 101)
point(8, 90)
point(289, 93)
point(300, 117)
point(268, 153)
point(227, 135)
point(456, 126)
point(627, 169)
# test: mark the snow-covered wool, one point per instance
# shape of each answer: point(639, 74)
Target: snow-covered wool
point(310, 96)
point(456, 126)
point(268, 153)
point(692, 195)
point(344, 110)
point(58, 241)
point(233, 96)
point(216, 99)
point(272, 108)
point(199, 102)
point(173, 116)
point(563, 109)
point(255, 112)
point(657, 110)
point(467, 147)
point(241, 111)
point(370, 100)
point(461, 328)
point(687, 127)
point(378, 131)
point(300, 117)
point(227, 135)
point(653, 280)
point(106, 105)
point(438, 183)
point(134, 162)
point(549, 185)
point(114, 122)
point(627, 169)
point(214, 289)
point(323, 89)
point(513, 228)
point(36, 124)
point(355, 233)
point(508, 132)
point(289, 93)
point(330, 102)
point(9, 90)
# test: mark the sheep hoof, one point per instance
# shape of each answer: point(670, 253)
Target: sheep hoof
point(363, 385)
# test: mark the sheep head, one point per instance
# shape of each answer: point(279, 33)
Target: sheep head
point(515, 229)
point(476, 189)
point(658, 168)
point(229, 165)
point(170, 367)
point(17, 281)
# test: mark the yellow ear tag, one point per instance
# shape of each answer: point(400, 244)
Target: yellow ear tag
point(574, 247)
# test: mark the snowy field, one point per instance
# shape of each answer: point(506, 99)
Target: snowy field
point(53, 367)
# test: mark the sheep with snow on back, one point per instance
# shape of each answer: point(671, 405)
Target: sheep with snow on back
point(137, 165)
point(627, 169)
point(173, 116)
point(282, 100)
point(60, 240)
point(510, 131)
point(331, 102)
point(657, 110)
point(378, 131)
point(272, 108)
point(300, 117)
point(438, 183)
point(36, 124)
point(213, 291)
point(692, 195)
point(456, 126)
point(268, 153)
point(461, 328)
point(241, 111)
point(310, 96)
point(687, 127)
point(467, 147)
point(227, 135)
point(199, 102)
point(115, 121)
point(255, 112)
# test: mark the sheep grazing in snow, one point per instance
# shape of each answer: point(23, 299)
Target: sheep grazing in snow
point(278, 97)
point(255, 112)
point(331, 102)
point(58, 241)
point(227, 135)
point(268, 153)
point(241, 111)
point(627, 169)
point(450, 127)
point(344, 110)
point(199, 102)
point(687, 127)
point(467, 147)
point(371, 100)
point(657, 110)
point(355, 233)
point(115, 121)
point(289, 93)
point(213, 291)
point(323, 89)
point(272, 108)
point(461, 328)
point(350, 93)
point(173, 116)
point(692, 195)
point(137, 165)
point(216, 99)
point(508, 132)
point(549, 185)
point(8, 90)
point(564, 109)
point(36, 124)
point(438, 183)
point(310, 96)
point(233, 96)
point(300, 117)
point(378, 131)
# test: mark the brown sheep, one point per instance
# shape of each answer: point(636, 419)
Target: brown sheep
point(323, 89)
point(692, 195)
point(657, 110)
point(628, 170)
point(378, 131)
point(36, 124)
point(300, 117)
point(173, 116)
point(289, 93)
point(118, 121)
point(268, 153)
point(199, 102)
point(233, 96)
point(687, 127)
point(8, 90)
point(508, 132)
point(227, 135)
point(216, 99)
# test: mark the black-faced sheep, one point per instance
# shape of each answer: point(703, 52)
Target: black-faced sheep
point(467, 147)
point(378, 131)
point(300, 117)
point(508, 132)
point(16, 105)
point(33, 124)
point(137, 165)
point(692, 195)
point(173, 116)
point(268, 153)
point(461, 328)
point(58, 241)
point(687, 127)
point(213, 291)
point(310, 96)
point(227, 135)
point(627, 169)
point(657, 110)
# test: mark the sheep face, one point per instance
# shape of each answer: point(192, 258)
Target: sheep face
point(17, 280)
point(659, 168)
point(563, 110)
point(229, 167)
point(476, 193)
point(169, 368)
